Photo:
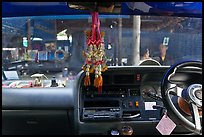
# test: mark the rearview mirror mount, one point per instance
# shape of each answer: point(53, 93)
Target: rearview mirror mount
point(101, 7)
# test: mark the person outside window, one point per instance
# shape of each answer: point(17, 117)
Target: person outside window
point(164, 58)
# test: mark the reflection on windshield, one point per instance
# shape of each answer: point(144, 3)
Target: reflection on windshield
point(48, 45)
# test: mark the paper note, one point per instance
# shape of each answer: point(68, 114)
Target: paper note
point(11, 75)
point(165, 125)
point(149, 105)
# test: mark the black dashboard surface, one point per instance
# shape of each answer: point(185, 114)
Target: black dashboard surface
point(37, 111)
point(37, 98)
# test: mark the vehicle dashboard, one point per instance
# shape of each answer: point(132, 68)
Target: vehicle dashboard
point(130, 97)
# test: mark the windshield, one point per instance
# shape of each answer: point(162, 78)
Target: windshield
point(53, 45)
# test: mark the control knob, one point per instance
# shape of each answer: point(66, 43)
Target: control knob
point(114, 132)
point(127, 130)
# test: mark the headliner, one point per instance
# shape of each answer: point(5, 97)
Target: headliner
point(19, 9)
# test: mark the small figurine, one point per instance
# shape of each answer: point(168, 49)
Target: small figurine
point(38, 81)
point(53, 82)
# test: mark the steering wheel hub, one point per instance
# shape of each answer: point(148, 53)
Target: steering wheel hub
point(198, 94)
point(195, 94)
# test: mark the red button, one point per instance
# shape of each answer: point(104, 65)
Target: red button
point(138, 77)
point(130, 104)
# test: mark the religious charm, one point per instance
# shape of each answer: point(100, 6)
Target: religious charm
point(95, 55)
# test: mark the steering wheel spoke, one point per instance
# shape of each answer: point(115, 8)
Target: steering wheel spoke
point(196, 117)
point(175, 90)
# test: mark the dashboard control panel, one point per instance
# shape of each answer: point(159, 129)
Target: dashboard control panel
point(124, 97)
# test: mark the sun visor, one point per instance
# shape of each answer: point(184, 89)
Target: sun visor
point(186, 9)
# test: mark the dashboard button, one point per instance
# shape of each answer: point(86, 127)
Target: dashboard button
point(130, 104)
point(137, 104)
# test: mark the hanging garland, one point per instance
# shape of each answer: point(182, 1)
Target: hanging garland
point(95, 55)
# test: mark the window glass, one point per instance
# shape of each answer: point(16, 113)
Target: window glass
point(53, 45)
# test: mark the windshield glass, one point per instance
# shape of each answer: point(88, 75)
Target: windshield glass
point(53, 45)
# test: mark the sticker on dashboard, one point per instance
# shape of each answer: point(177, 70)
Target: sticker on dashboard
point(149, 105)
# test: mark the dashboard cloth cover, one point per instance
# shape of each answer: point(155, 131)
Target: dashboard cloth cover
point(94, 54)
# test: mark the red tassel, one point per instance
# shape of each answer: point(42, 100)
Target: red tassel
point(96, 82)
point(100, 81)
point(87, 81)
point(100, 84)
point(100, 90)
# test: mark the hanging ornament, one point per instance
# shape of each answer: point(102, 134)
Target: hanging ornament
point(95, 55)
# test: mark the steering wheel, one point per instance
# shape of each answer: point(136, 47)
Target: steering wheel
point(192, 95)
point(147, 62)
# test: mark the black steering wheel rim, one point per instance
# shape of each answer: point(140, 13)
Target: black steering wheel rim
point(172, 110)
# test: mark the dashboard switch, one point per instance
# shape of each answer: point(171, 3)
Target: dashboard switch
point(138, 77)
point(130, 104)
point(137, 104)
